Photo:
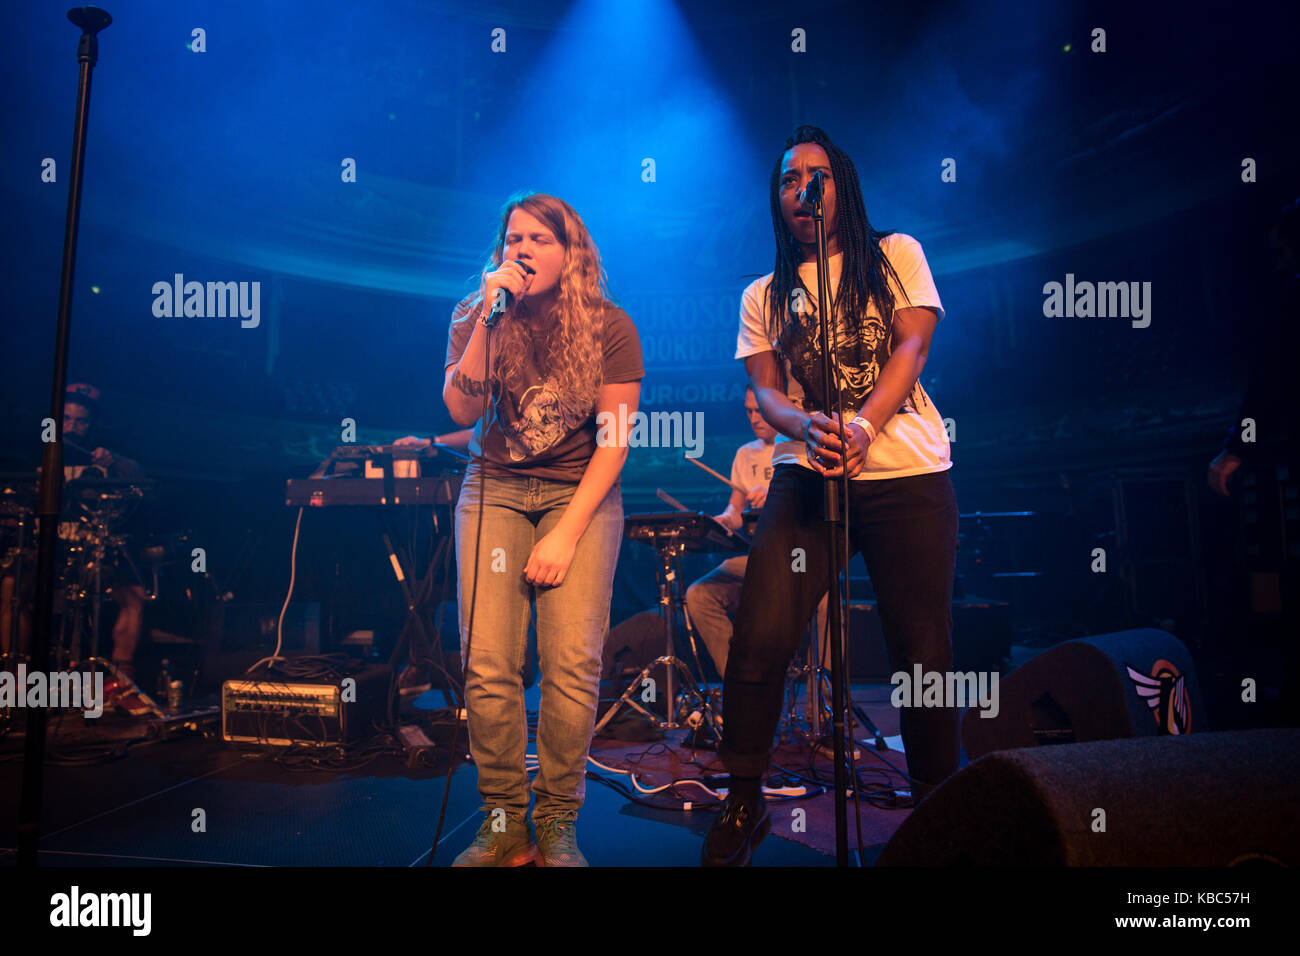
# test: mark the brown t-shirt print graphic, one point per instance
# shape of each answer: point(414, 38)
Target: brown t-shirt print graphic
point(540, 423)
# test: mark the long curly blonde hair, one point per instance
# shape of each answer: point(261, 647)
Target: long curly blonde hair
point(574, 353)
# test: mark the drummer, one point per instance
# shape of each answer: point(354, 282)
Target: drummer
point(712, 601)
point(84, 457)
point(80, 412)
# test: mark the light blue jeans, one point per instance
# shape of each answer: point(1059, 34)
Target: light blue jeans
point(572, 623)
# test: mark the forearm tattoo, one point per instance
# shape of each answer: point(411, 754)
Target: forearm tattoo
point(467, 385)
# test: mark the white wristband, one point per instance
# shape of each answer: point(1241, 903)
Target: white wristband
point(866, 426)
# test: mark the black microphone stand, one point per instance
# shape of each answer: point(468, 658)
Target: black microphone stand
point(91, 20)
point(837, 496)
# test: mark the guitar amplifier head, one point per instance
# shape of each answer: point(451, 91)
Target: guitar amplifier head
point(305, 713)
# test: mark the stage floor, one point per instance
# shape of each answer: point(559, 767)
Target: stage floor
point(140, 810)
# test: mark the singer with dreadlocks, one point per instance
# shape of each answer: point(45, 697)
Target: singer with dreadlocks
point(540, 515)
point(902, 511)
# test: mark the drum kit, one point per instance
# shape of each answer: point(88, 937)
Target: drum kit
point(93, 558)
point(690, 703)
point(672, 534)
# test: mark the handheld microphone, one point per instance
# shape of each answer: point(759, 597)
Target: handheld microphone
point(506, 298)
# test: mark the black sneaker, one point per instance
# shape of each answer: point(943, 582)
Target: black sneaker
point(737, 831)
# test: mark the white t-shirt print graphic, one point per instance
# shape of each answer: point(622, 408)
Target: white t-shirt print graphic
point(913, 441)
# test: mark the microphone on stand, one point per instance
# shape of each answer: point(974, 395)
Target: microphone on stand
point(506, 297)
point(812, 193)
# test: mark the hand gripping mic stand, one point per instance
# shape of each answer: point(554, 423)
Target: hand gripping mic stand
point(837, 495)
point(91, 20)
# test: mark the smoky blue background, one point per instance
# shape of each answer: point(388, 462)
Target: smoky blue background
point(225, 166)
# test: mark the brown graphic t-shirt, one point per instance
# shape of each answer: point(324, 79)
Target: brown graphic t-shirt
point(534, 433)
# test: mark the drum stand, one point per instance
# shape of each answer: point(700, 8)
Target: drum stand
point(815, 678)
point(815, 681)
point(100, 544)
point(814, 675)
point(669, 549)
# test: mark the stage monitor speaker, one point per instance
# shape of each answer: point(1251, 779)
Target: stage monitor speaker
point(1210, 799)
point(1128, 684)
point(630, 646)
point(634, 643)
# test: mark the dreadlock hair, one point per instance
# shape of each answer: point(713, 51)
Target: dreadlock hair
point(866, 270)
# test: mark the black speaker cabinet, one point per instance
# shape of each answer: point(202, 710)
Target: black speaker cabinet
point(1128, 684)
point(1208, 799)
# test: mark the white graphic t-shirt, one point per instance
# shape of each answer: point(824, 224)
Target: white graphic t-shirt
point(913, 441)
point(752, 464)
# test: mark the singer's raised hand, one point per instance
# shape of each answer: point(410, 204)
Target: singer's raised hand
point(512, 277)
